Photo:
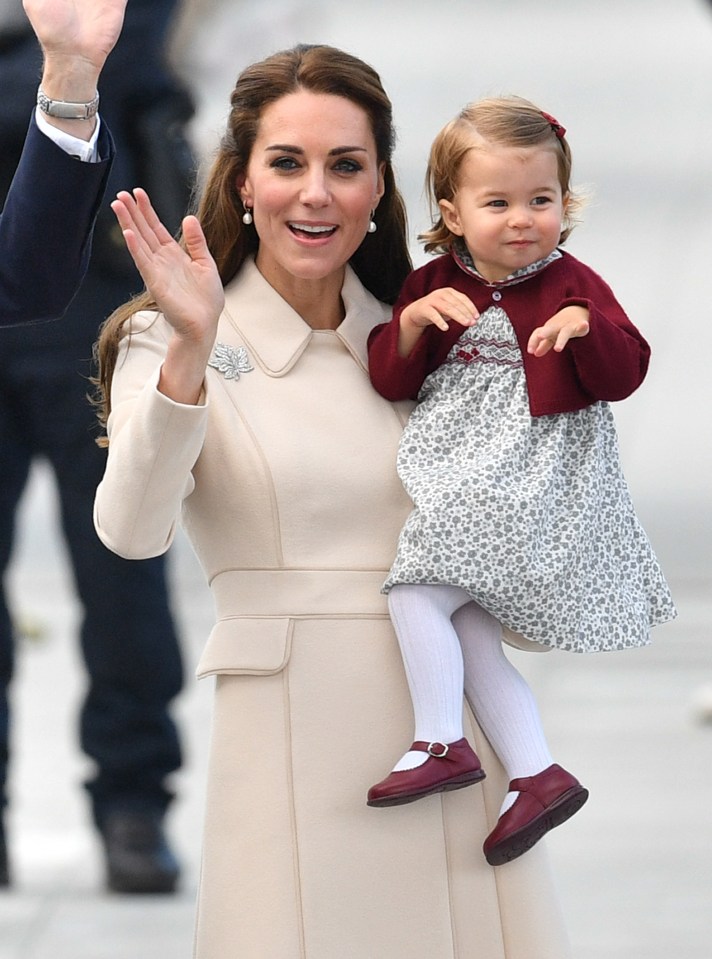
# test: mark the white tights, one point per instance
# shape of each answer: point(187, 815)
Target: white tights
point(449, 644)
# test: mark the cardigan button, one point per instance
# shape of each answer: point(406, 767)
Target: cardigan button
point(496, 296)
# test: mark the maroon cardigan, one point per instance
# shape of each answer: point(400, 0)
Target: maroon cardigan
point(609, 363)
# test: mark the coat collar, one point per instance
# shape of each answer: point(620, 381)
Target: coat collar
point(276, 336)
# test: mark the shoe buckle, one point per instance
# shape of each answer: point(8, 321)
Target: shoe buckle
point(442, 750)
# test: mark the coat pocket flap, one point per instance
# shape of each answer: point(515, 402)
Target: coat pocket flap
point(256, 647)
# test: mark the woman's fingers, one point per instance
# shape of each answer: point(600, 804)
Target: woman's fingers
point(194, 240)
point(134, 212)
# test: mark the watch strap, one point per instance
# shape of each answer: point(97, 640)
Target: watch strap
point(65, 109)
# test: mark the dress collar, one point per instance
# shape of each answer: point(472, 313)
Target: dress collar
point(463, 258)
point(276, 336)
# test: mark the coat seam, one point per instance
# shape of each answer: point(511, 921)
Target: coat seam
point(299, 903)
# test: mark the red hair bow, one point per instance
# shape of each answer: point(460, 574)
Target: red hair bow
point(555, 125)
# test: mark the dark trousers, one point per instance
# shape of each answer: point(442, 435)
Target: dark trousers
point(128, 639)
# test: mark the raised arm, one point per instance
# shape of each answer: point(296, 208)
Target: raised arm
point(76, 37)
point(51, 206)
point(159, 416)
point(186, 286)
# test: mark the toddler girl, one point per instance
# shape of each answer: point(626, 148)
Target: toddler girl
point(522, 518)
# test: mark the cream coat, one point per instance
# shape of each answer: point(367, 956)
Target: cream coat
point(285, 475)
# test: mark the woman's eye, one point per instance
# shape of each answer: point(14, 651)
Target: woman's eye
point(346, 165)
point(284, 163)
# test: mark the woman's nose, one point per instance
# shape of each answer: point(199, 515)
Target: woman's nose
point(315, 189)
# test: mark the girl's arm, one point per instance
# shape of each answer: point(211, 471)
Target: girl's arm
point(433, 309)
point(403, 352)
point(609, 353)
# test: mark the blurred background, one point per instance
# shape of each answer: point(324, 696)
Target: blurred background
point(632, 83)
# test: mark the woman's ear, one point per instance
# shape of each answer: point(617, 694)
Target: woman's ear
point(451, 218)
point(381, 185)
point(243, 188)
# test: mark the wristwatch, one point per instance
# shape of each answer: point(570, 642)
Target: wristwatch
point(65, 109)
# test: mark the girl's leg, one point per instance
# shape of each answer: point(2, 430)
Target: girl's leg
point(500, 698)
point(432, 657)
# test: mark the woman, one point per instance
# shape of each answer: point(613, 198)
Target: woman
point(255, 418)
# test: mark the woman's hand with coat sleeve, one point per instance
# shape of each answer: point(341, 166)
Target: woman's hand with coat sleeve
point(154, 443)
point(158, 400)
point(184, 283)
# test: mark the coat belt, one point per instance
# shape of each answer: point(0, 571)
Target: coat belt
point(299, 592)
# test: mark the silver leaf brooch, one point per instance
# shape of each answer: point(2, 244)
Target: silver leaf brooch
point(230, 361)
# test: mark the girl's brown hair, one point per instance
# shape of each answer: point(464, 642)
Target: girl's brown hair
point(381, 262)
point(506, 121)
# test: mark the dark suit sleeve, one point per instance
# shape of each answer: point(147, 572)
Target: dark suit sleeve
point(45, 227)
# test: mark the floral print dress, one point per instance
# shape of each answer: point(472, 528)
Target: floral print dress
point(529, 515)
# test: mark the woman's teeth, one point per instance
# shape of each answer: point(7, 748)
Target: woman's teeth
point(311, 230)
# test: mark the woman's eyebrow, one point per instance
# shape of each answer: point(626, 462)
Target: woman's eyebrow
point(337, 151)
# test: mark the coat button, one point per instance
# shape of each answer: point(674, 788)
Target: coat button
point(496, 296)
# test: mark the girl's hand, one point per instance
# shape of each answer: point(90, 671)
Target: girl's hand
point(435, 309)
point(184, 282)
point(567, 324)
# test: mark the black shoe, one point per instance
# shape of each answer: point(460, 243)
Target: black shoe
point(138, 858)
point(4, 867)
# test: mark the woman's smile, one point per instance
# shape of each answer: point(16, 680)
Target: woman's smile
point(310, 232)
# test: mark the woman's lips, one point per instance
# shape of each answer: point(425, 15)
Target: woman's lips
point(312, 231)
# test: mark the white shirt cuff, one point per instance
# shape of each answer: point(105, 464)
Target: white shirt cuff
point(85, 150)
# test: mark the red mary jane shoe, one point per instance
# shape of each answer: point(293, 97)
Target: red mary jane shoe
point(544, 801)
point(448, 766)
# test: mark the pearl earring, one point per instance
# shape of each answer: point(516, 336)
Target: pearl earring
point(247, 216)
point(372, 227)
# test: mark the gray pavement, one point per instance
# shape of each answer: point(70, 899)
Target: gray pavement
point(633, 84)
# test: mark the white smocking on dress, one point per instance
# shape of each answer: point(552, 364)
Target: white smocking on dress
point(530, 515)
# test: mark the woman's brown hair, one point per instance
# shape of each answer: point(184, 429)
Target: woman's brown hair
point(506, 121)
point(381, 262)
